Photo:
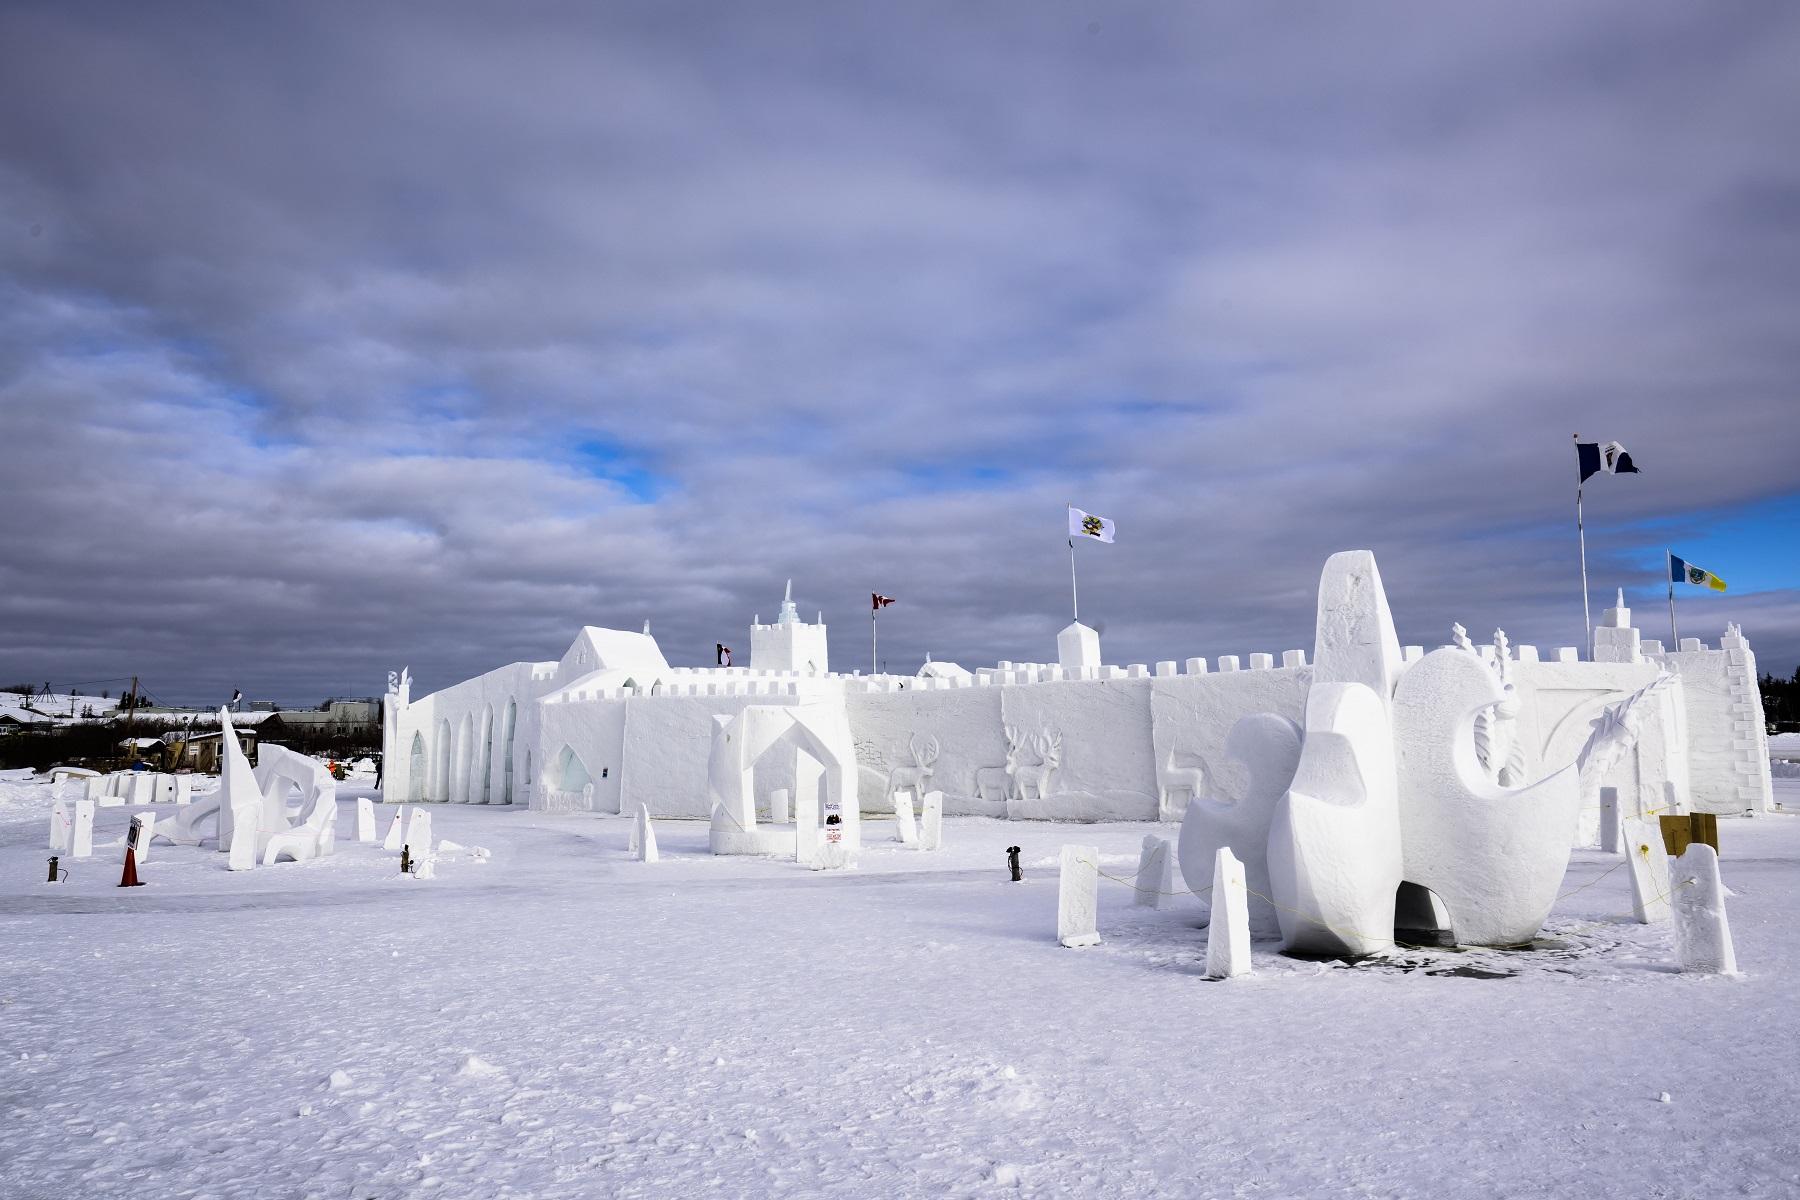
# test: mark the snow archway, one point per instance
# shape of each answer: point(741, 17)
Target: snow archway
point(463, 780)
point(739, 742)
point(440, 771)
point(418, 763)
point(567, 785)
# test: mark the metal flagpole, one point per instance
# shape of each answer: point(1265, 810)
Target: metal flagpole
point(1581, 536)
point(1074, 596)
point(1669, 574)
point(872, 611)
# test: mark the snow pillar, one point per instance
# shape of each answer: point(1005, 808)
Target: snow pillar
point(931, 832)
point(81, 834)
point(396, 834)
point(1228, 934)
point(906, 831)
point(806, 824)
point(644, 834)
point(1155, 875)
point(365, 819)
point(778, 806)
point(1078, 898)
point(1649, 866)
point(1702, 934)
point(418, 834)
point(60, 827)
point(1609, 819)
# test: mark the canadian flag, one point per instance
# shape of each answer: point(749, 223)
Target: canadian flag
point(877, 601)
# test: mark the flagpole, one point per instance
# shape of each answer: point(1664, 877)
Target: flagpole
point(1587, 616)
point(872, 611)
point(1669, 575)
point(1074, 596)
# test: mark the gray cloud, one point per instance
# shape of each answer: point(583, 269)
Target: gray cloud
point(333, 339)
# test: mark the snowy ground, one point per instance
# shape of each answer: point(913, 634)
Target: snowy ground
point(563, 1022)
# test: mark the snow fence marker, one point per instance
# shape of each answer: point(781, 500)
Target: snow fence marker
point(643, 833)
point(1649, 867)
point(906, 830)
point(1609, 819)
point(396, 834)
point(931, 831)
point(81, 835)
point(365, 819)
point(1078, 897)
point(61, 827)
point(1702, 934)
point(1228, 933)
point(1154, 876)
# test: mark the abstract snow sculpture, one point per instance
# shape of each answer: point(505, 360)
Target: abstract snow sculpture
point(916, 777)
point(314, 836)
point(931, 822)
point(1228, 933)
point(240, 800)
point(644, 836)
point(1155, 873)
point(816, 732)
point(1078, 898)
point(1649, 867)
point(1334, 842)
point(1702, 934)
point(81, 830)
point(1493, 855)
point(906, 830)
point(1268, 746)
point(1354, 639)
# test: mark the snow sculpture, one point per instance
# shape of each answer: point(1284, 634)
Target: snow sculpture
point(1702, 934)
point(931, 824)
point(1268, 746)
point(240, 800)
point(1155, 871)
point(1077, 897)
point(918, 776)
point(820, 733)
point(315, 836)
point(1334, 842)
point(1177, 784)
point(1649, 867)
point(61, 827)
point(906, 832)
point(644, 835)
point(365, 820)
point(1032, 779)
point(994, 785)
point(81, 832)
point(396, 834)
point(1494, 855)
point(778, 806)
point(1354, 640)
point(1228, 933)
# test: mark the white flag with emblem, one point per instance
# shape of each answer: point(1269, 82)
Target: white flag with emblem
point(1087, 525)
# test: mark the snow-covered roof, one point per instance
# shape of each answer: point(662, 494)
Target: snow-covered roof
point(943, 670)
point(596, 649)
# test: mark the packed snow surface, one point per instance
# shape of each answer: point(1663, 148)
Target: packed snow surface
point(559, 1020)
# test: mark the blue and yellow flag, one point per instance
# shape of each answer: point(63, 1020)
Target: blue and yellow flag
point(1683, 571)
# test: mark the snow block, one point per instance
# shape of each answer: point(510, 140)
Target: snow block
point(81, 833)
point(143, 788)
point(1649, 867)
point(95, 789)
point(906, 830)
point(396, 834)
point(418, 834)
point(1609, 819)
point(138, 839)
point(931, 825)
point(1078, 897)
point(806, 825)
point(1155, 873)
point(1228, 933)
point(365, 820)
point(61, 827)
point(644, 835)
point(1702, 934)
point(778, 806)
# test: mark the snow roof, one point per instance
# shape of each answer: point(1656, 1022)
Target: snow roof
point(596, 649)
point(943, 670)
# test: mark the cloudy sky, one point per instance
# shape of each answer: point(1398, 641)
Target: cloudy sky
point(340, 337)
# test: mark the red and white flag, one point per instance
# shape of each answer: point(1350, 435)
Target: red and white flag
point(877, 601)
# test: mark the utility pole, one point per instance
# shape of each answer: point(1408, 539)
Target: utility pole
point(130, 715)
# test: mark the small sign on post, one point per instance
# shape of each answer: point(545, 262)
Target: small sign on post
point(1680, 832)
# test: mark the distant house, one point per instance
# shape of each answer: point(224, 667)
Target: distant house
point(334, 716)
point(200, 751)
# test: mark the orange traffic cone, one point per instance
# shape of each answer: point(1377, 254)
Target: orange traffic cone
point(130, 879)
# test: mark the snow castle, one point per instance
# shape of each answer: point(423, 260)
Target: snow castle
point(611, 725)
